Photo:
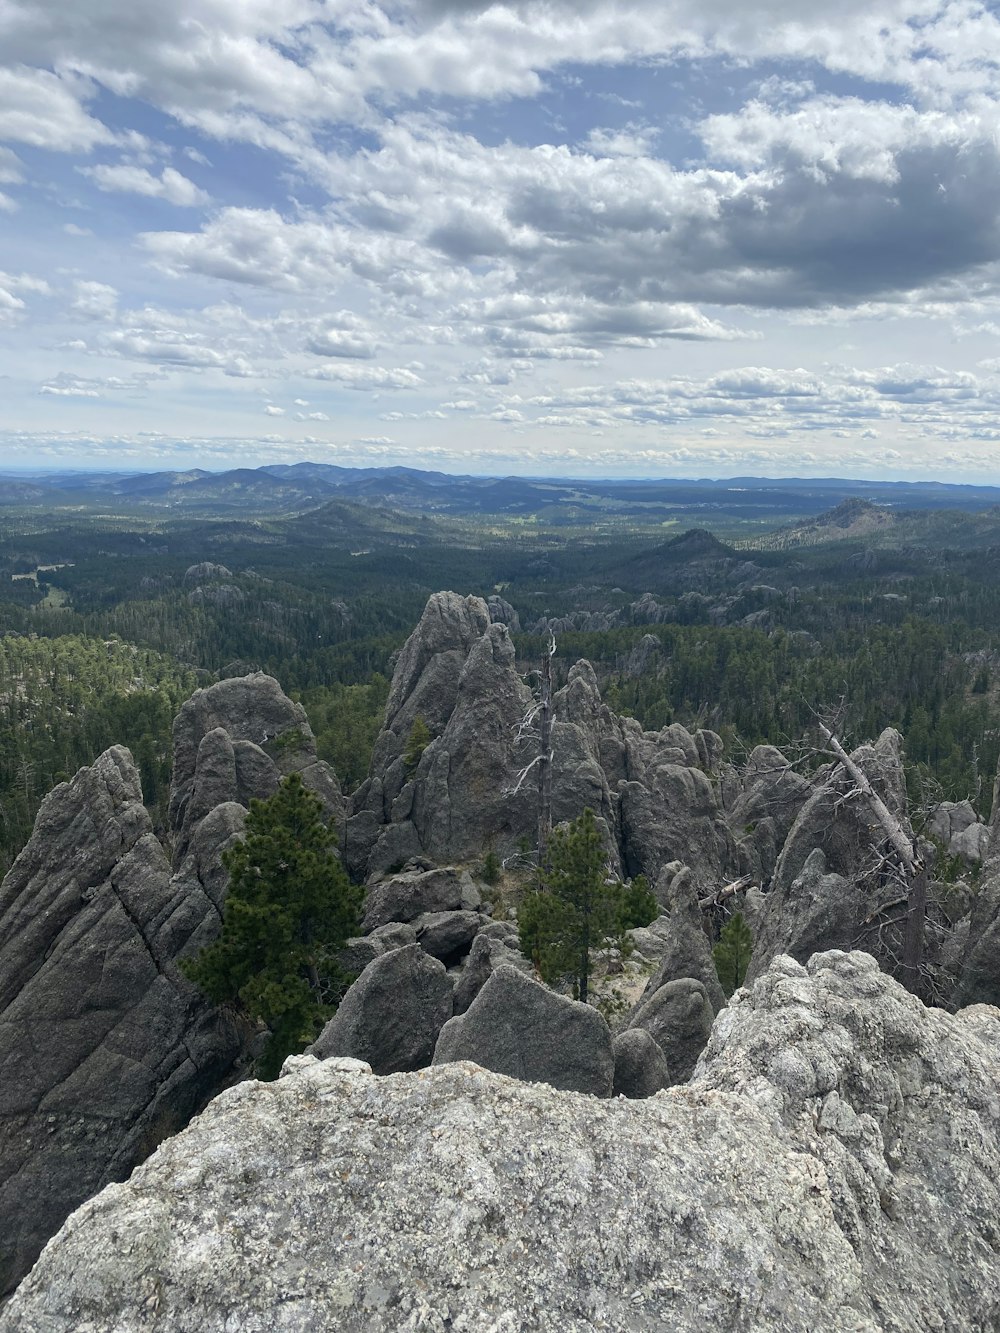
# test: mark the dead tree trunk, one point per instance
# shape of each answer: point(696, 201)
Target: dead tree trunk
point(545, 755)
point(905, 848)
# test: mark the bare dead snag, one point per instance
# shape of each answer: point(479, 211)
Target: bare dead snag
point(905, 848)
point(545, 753)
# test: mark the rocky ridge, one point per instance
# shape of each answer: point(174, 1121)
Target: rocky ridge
point(836, 1149)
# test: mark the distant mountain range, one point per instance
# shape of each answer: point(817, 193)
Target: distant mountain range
point(285, 488)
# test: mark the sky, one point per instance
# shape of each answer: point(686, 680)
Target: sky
point(665, 238)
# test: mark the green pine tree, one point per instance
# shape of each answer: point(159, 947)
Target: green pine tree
point(577, 909)
point(417, 742)
point(289, 908)
point(732, 953)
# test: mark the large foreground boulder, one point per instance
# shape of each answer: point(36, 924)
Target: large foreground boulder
point(835, 1164)
point(516, 1026)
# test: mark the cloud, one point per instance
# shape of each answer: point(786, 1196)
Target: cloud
point(342, 342)
point(366, 377)
point(11, 306)
point(170, 185)
point(253, 246)
point(42, 110)
point(94, 300)
point(272, 411)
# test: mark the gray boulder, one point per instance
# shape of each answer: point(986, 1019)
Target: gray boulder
point(448, 935)
point(412, 894)
point(357, 953)
point(640, 1066)
point(516, 1026)
point(392, 1015)
point(394, 935)
point(838, 1147)
point(678, 1016)
point(495, 946)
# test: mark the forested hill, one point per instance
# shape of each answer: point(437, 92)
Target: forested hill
point(284, 488)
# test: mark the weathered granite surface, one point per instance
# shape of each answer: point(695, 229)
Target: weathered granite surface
point(834, 1164)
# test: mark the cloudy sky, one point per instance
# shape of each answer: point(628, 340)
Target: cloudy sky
point(643, 237)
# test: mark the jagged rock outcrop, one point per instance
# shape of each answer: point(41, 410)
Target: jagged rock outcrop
point(502, 613)
point(206, 570)
point(686, 951)
point(217, 594)
point(518, 1027)
point(496, 945)
point(762, 803)
point(644, 657)
point(827, 890)
point(954, 824)
point(104, 1047)
point(235, 740)
point(838, 1147)
point(456, 671)
point(650, 791)
point(393, 1013)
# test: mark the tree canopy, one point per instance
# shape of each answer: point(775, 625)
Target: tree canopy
point(289, 908)
point(579, 907)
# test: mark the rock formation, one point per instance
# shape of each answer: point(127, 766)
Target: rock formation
point(518, 1027)
point(105, 1048)
point(393, 1013)
point(829, 890)
point(834, 1164)
point(652, 791)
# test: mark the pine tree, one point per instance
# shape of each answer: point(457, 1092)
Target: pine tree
point(289, 907)
point(578, 909)
point(416, 744)
point(732, 953)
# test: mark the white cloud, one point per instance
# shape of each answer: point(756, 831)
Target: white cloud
point(366, 377)
point(42, 110)
point(169, 186)
point(342, 342)
point(272, 411)
point(94, 300)
point(11, 306)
